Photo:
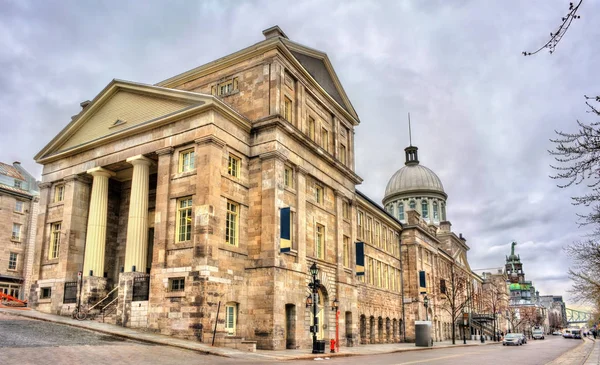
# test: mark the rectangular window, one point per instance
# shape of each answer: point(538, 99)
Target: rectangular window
point(342, 154)
point(371, 271)
point(325, 139)
point(46, 293)
point(377, 234)
point(226, 88)
point(59, 193)
point(19, 206)
point(18, 184)
point(232, 223)
point(360, 218)
point(379, 274)
point(311, 128)
point(54, 240)
point(345, 210)
point(385, 277)
point(369, 236)
point(16, 232)
point(346, 253)
point(233, 168)
point(184, 219)
point(320, 242)
point(288, 177)
point(230, 318)
point(319, 193)
point(287, 109)
point(186, 160)
point(12, 261)
point(176, 284)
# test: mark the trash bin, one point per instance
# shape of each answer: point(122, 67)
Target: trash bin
point(423, 334)
point(320, 346)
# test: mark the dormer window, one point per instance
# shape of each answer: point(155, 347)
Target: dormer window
point(401, 211)
point(424, 209)
point(436, 215)
point(412, 205)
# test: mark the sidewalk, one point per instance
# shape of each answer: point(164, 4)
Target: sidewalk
point(262, 355)
point(594, 357)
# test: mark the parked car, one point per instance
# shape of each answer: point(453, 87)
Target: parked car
point(576, 333)
point(567, 333)
point(512, 339)
point(556, 333)
point(523, 337)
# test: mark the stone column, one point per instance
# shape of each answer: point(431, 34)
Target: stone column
point(137, 225)
point(95, 239)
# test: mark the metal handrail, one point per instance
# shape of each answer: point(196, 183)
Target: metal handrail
point(103, 299)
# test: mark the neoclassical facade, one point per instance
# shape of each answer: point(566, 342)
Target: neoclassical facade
point(173, 197)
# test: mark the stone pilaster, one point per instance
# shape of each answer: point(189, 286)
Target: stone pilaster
point(272, 165)
point(95, 240)
point(136, 249)
point(301, 216)
point(162, 207)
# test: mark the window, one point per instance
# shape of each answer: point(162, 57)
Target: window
point(19, 206)
point(225, 88)
point(320, 242)
point(424, 209)
point(371, 271)
point(287, 109)
point(386, 283)
point(233, 168)
point(18, 184)
point(311, 128)
point(346, 252)
point(231, 229)
point(443, 212)
point(342, 154)
point(59, 193)
point(54, 240)
point(184, 219)
point(288, 177)
point(319, 193)
point(46, 293)
point(436, 215)
point(186, 160)
point(230, 318)
point(345, 210)
point(325, 139)
point(377, 234)
point(412, 205)
point(401, 211)
point(379, 274)
point(16, 232)
point(176, 284)
point(12, 261)
point(359, 223)
point(369, 233)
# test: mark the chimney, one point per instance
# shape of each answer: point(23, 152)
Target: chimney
point(83, 104)
point(273, 32)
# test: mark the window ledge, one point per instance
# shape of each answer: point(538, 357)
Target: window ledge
point(175, 294)
point(56, 204)
point(181, 175)
point(17, 212)
point(292, 252)
point(16, 240)
point(291, 190)
point(12, 270)
point(50, 262)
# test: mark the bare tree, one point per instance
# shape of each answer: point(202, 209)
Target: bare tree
point(585, 271)
point(494, 300)
point(557, 36)
point(454, 296)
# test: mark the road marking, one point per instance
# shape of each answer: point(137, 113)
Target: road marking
point(437, 358)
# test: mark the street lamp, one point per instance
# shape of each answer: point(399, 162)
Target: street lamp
point(312, 299)
point(426, 304)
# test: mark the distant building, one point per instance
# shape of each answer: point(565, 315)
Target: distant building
point(19, 196)
point(557, 310)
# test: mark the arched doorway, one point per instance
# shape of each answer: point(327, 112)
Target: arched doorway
point(363, 329)
point(321, 315)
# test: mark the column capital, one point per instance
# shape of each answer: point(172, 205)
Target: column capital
point(165, 151)
point(211, 139)
point(76, 177)
point(100, 171)
point(140, 160)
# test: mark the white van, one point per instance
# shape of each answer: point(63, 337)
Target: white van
point(537, 333)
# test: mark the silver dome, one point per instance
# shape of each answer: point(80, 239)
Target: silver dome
point(413, 178)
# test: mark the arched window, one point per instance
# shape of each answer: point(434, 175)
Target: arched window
point(436, 215)
point(443, 211)
point(401, 211)
point(391, 209)
point(424, 209)
point(412, 205)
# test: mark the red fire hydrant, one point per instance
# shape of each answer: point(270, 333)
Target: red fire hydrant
point(332, 345)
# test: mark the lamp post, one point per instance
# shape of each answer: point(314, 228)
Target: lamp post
point(314, 286)
point(335, 307)
point(426, 304)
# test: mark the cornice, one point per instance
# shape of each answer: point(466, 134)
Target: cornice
point(211, 139)
point(165, 151)
point(275, 154)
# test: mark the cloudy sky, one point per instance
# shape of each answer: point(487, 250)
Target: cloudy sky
point(482, 113)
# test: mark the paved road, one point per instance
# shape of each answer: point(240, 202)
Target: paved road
point(26, 341)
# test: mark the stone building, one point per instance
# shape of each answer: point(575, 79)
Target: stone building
point(18, 210)
point(183, 184)
point(415, 196)
point(202, 202)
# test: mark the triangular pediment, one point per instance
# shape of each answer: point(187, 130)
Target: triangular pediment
point(122, 107)
point(318, 65)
